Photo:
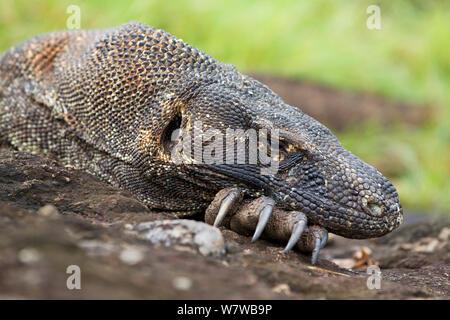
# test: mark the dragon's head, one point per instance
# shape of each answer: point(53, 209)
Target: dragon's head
point(296, 161)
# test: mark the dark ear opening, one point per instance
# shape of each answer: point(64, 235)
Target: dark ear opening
point(170, 133)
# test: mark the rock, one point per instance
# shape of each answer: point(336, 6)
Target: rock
point(131, 256)
point(182, 283)
point(49, 211)
point(195, 235)
point(29, 256)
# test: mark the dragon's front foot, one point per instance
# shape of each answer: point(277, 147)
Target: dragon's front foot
point(261, 217)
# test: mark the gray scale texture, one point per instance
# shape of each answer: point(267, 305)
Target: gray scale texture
point(106, 101)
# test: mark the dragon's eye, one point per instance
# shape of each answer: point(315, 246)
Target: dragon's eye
point(171, 132)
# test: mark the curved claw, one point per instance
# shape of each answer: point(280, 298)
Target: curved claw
point(225, 206)
point(315, 253)
point(264, 217)
point(324, 238)
point(320, 240)
point(296, 233)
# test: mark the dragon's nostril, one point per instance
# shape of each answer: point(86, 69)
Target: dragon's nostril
point(375, 208)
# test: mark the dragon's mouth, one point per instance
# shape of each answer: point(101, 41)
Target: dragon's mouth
point(359, 220)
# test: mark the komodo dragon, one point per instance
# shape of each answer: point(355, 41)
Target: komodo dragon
point(111, 102)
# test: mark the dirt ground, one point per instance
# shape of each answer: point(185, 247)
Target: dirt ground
point(52, 217)
point(91, 229)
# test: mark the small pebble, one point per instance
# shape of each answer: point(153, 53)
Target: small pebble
point(96, 248)
point(29, 255)
point(131, 256)
point(48, 210)
point(182, 283)
point(426, 245)
point(128, 226)
point(444, 235)
point(282, 288)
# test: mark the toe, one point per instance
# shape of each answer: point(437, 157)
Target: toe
point(265, 213)
point(224, 205)
point(314, 239)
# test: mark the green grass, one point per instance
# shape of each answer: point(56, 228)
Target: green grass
point(326, 41)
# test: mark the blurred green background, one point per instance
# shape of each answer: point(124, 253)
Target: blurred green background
point(327, 42)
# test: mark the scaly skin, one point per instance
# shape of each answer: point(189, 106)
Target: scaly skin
point(107, 101)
